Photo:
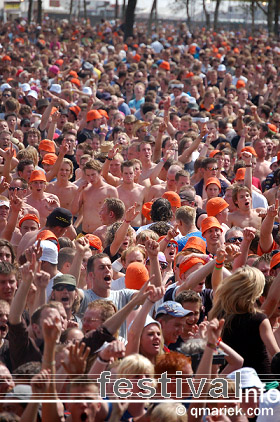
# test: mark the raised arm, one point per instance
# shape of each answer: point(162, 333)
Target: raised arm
point(112, 180)
point(16, 205)
point(158, 143)
point(266, 238)
point(120, 234)
point(152, 249)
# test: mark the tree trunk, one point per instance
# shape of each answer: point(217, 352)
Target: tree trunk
point(153, 10)
point(29, 14)
point(216, 14)
point(276, 17)
point(270, 8)
point(70, 10)
point(85, 9)
point(123, 9)
point(39, 12)
point(207, 15)
point(129, 18)
point(188, 13)
point(253, 16)
point(116, 10)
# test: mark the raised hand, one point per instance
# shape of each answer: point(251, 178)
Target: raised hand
point(40, 383)
point(152, 247)
point(51, 330)
point(76, 361)
point(131, 213)
point(114, 350)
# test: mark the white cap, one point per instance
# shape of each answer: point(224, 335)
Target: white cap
point(221, 68)
point(50, 252)
point(249, 378)
point(87, 90)
point(273, 160)
point(4, 203)
point(25, 87)
point(55, 88)
point(150, 320)
point(5, 86)
point(33, 94)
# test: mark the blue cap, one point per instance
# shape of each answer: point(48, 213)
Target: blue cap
point(172, 308)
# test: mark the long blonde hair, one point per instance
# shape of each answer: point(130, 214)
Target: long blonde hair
point(238, 293)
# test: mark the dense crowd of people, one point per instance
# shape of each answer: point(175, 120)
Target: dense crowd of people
point(139, 223)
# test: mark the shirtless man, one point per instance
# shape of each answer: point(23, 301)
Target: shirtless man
point(20, 186)
point(244, 216)
point(130, 192)
point(112, 210)
point(262, 167)
point(91, 195)
point(157, 191)
point(145, 156)
point(63, 188)
point(43, 202)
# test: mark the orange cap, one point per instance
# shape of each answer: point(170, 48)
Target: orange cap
point(195, 242)
point(164, 65)
point(192, 49)
point(275, 260)
point(48, 235)
point(215, 181)
point(29, 217)
point(240, 84)
point(187, 265)
point(137, 58)
point(209, 223)
point(50, 159)
point(76, 82)
point(240, 174)
point(146, 210)
point(75, 109)
point(173, 198)
point(103, 113)
point(59, 62)
point(94, 242)
point(214, 152)
point(46, 145)
point(136, 275)
point(6, 58)
point(250, 149)
point(93, 115)
point(215, 205)
point(73, 73)
point(189, 75)
point(37, 175)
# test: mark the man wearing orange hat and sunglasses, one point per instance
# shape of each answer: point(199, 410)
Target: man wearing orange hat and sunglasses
point(39, 199)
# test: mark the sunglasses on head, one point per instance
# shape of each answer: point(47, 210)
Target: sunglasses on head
point(61, 287)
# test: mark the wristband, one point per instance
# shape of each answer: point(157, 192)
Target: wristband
point(211, 345)
point(108, 158)
point(163, 160)
point(102, 360)
point(166, 240)
point(218, 268)
point(219, 341)
point(127, 222)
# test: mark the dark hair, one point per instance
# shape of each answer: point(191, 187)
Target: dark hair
point(92, 259)
point(117, 206)
point(161, 228)
point(208, 161)
point(161, 210)
point(4, 242)
point(23, 163)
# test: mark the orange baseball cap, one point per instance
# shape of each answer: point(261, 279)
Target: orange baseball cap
point(94, 242)
point(173, 198)
point(46, 145)
point(164, 65)
point(240, 174)
point(146, 210)
point(73, 73)
point(209, 223)
point(215, 181)
point(6, 58)
point(137, 57)
point(103, 113)
point(195, 242)
point(275, 260)
point(29, 217)
point(240, 84)
point(251, 150)
point(187, 265)
point(48, 235)
point(214, 152)
point(136, 275)
point(75, 109)
point(93, 115)
point(76, 82)
point(272, 128)
point(37, 175)
point(50, 159)
point(215, 205)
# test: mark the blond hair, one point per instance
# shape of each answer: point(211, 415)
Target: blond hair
point(167, 412)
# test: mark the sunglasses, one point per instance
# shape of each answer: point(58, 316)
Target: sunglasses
point(61, 287)
point(6, 95)
point(213, 169)
point(235, 239)
point(26, 125)
point(163, 265)
point(171, 244)
point(12, 189)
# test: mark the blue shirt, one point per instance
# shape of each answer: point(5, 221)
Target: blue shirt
point(183, 240)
